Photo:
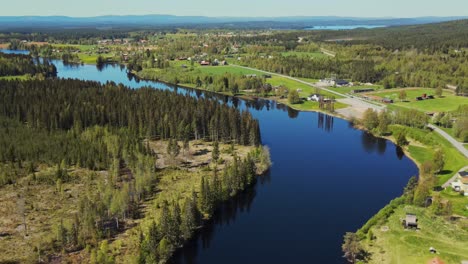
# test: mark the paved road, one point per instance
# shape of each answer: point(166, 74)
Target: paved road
point(357, 105)
point(449, 182)
point(453, 141)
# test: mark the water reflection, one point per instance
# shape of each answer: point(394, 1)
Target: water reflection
point(325, 122)
point(226, 214)
point(293, 114)
point(399, 152)
point(372, 144)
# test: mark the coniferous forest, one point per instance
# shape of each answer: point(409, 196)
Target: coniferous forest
point(52, 129)
point(71, 105)
point(18, 64)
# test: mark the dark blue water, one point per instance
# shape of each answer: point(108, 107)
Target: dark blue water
point(327, 178)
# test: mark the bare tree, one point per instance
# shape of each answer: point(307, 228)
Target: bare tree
point(21, 208)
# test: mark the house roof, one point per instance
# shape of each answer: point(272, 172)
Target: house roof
point(411, 219)
point(435, 261)
point(464, 180)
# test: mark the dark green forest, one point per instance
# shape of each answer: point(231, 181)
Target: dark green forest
point(54, 120)
point(17, 64)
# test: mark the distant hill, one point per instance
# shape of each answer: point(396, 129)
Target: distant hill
point(11, 22)
point(430, 37)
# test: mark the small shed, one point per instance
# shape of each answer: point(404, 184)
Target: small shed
point(411, 221)
point(387, 100)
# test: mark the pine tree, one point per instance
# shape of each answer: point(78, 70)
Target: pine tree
point(165, 220)
point(174, 225)
point(215, 153)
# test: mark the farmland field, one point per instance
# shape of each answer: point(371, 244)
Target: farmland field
point(448, 102)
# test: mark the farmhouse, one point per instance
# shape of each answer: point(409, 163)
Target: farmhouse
point(387, 101)
point(314, 97)
point(339, 82)
point(461, 183)
point(411, 221)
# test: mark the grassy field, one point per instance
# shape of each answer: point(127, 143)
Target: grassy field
point(459, 202)
point(422, 146)
point(89, 59)
point(292, 84)
point(399, 246)
point(17, 77)
point(79, 47)
point(448, 102)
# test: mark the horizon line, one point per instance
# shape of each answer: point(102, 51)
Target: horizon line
point(240, 17)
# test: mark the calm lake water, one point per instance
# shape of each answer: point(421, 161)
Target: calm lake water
point(327, 178)
point(344, 27)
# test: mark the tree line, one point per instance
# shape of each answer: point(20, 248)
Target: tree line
point(19, 64)
point(146, 112)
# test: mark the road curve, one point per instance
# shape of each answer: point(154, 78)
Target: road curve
point(453, 141)
point(350, 100)
point(454, 178)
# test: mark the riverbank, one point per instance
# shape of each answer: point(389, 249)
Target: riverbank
point(49, 207)
point(384, 237)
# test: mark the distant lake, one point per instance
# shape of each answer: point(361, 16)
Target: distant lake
point(343, 27)
point(6, 51)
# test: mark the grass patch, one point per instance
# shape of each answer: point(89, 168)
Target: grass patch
point(423, 145)
point(449, 101)
point(292, 84)
point(398, 245)
point(16, 77)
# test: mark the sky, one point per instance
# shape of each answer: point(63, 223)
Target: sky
point(238, 8)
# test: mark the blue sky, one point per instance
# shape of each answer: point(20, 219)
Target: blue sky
point(355, 8)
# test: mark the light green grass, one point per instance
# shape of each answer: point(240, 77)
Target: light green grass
point(89, 59)
point(80, 47)
point(292, 84)
point(459, 202)
point(308, 79)
point(454, 160)
point(401, 246)
point(16, 77)
point(449, 102)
